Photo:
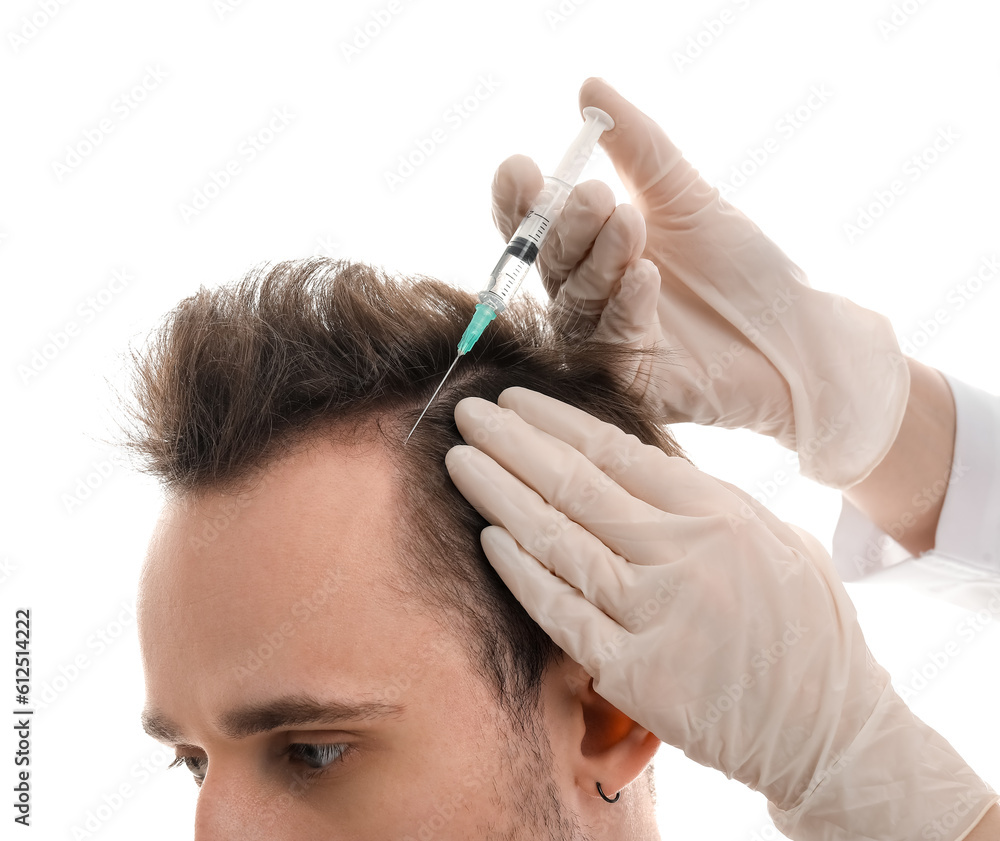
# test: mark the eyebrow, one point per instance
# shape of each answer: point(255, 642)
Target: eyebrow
point(289, 711)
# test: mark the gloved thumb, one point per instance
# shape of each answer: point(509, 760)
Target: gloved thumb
point(640, 150)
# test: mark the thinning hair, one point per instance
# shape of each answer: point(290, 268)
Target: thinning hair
point(237, 377)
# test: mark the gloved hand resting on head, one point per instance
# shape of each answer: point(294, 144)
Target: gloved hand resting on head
point(715, 626)
point(756, 347)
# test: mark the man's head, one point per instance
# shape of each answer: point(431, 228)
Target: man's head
point(307, 558)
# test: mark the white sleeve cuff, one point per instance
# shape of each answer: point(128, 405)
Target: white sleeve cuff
point(969, 528)
point(968, 534)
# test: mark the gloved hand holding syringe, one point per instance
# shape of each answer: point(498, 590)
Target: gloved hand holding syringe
point(815, 724)
point(523, 247)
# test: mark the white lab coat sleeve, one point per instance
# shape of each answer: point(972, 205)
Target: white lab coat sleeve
point(964, 566)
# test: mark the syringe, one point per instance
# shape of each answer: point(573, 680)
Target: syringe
point(523, 247)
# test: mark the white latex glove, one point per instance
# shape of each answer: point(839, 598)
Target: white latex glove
point(705, 619)
point(756, 346)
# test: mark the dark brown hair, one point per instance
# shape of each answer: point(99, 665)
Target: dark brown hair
point(239, 375)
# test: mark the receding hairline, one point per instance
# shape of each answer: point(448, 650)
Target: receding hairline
point(384, 428)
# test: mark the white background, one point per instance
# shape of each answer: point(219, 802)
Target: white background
point(210, 75)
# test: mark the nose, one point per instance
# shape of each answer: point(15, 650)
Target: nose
point(231, 807)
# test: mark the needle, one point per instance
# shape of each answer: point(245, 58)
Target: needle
point(435, 394)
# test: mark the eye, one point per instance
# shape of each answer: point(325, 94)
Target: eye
point(317, 757)
point(194, 764)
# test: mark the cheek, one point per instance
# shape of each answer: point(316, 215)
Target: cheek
point(445, 772)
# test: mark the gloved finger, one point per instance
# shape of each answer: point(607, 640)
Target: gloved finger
point(586, 213)
point(557, 471)
point(561, 476)
point(516, 183)
point(569, 482)
point(595, 277)
point(579, 628)
point(559, 544)
point(630, 316)
point(666, 483)
point(640, 150)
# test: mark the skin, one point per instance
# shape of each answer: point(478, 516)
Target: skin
point(291, 596)
point(917, 466)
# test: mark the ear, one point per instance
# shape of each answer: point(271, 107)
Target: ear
point(595, 742)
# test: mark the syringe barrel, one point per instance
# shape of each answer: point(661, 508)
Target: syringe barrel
point(522, 249)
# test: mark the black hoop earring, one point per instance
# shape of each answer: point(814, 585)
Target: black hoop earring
point(607, 799)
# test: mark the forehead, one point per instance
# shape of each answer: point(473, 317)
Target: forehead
point(287, 585)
